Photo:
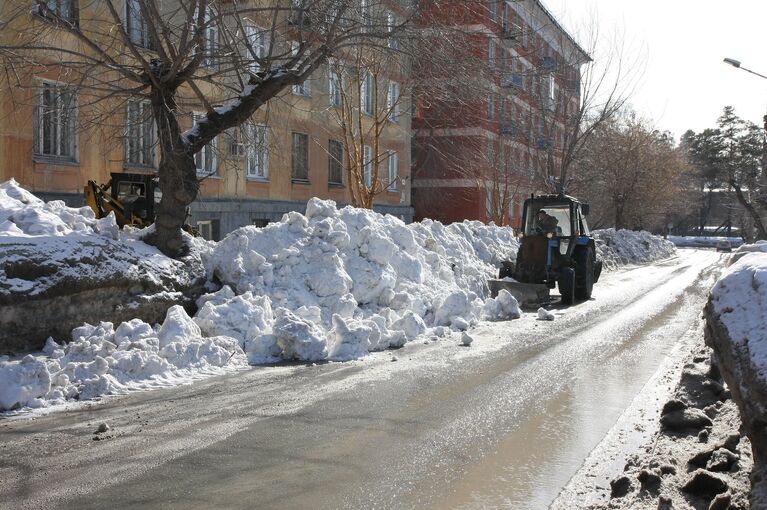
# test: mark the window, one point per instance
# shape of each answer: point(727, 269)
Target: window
point(491, 106)
point(367, 93)
point(62, 9)
point(209, 38)
point(392, 172)
point(391, 24)
point(300, 157)
point(365, 18)
point(205, 159)
point(334, 86)
point(491, 53)
point(368, 168)
point(298, 12)
point(550, 91)
point(392, 101)
point(493, 8)
point(139, 134)
point(301, 89)
point(55, 119)
point(136, 25)
point(258, 50)
point(335, 161)
point(258, 154)
point(209, 229)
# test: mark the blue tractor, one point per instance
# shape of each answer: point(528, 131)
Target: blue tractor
point(556, 249)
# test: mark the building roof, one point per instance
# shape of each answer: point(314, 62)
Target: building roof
point(559, 26)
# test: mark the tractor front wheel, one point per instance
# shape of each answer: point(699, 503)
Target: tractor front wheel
point(585, 274)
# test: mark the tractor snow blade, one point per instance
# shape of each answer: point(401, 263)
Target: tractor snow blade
point(529, 295)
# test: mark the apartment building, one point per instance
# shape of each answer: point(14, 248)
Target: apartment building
point(481, 155)
point(56, 134)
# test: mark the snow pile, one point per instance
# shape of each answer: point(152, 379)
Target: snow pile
point(758, 247)
point(621, 247)
point(101, 360)
point(22, 214)
point(740, 300)
point(337, 284)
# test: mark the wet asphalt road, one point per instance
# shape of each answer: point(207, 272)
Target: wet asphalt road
point(502, 424)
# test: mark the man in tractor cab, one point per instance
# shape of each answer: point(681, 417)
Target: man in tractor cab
point(544, 222)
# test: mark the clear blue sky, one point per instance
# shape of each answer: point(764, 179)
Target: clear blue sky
point(685, 84)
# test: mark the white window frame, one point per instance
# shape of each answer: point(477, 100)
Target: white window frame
point(209, 39)
point(491, 53)
point(140, 132)
point(340, 162)
point(393, 174)
point(367, 93)
point(366, 20)
point(392, 101)
point(205, 161)
point(256, 37)
point(304, 88)
point(391, 24)
point(63, 128)
point(205, 228)
point(367, 155)
point(257, 164)
point(295, 135)
point(335, 84)
point(136, 26)
point(64, 9)
point(491, 106)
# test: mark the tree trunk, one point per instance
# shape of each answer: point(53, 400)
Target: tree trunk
point(177, 173)
point(761, 232)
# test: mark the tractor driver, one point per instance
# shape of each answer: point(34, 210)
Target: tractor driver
point(545, 222)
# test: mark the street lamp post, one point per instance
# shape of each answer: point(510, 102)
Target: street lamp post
point(736, 63)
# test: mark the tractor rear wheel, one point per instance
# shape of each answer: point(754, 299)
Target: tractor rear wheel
point(584, 273)
point(567, 285)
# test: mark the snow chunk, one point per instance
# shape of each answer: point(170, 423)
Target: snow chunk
point(545, 315)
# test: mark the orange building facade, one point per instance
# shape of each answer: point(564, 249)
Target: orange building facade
point(249, 180)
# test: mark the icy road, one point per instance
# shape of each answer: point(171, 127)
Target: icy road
point(504, 423)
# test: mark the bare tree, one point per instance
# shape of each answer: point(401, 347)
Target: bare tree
point(599, 80)
point(226, 58)
point(634, 173)
point(369, 98)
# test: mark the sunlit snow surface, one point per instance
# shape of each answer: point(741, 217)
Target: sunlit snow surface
point(334, 284)
point(740, 299)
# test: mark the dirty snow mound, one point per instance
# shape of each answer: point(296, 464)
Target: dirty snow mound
point(622, 247)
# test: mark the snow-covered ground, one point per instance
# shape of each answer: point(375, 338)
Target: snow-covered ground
point(331, 285)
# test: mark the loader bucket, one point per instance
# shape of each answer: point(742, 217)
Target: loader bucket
point(529, 295)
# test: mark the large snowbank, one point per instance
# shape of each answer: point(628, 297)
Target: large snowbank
point(622, 247)
point(740, 300)
point(334, 284)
